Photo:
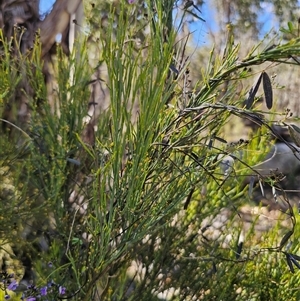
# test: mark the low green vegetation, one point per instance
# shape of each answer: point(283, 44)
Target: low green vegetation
point(141, 209)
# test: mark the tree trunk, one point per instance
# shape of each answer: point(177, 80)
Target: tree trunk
point(20, 20)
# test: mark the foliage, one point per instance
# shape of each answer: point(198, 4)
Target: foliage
point(134, 212)
point(249, 16)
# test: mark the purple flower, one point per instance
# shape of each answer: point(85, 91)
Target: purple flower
point(131, 1)
point(50, 264)
point(6, 297)
point(31, 299)
point(43, 291)
point(62, 290)
point(31, 287)
point(51, 283)
point(13, 285)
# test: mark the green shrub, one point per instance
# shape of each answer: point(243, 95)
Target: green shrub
point(151, 184)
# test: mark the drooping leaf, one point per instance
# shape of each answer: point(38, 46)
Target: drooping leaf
point(270, 47)
point(296, 256)
point(261, 187)
point(220, 139)
point(294, 261)
point(214, 268)
point(251, 185)
point(174, 69)
point(188, 199)
point(290, 264)
point(73, 161)
point(295, 59)
point(210, 143)
point(285, 238)
point(268, 91)
point(195, 15)
point(252, 93)
point(239, 250)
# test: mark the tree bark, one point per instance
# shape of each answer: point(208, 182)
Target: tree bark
point(57, 22)
point(20, 20)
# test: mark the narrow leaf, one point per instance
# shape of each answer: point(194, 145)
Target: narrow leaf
point(261, 188)
point(239, 250)
point(84, 145)
point(268, 91)
point(73, 161)
point(285, 238)
point(251, 184)
point(195, 15)
point(188, 199)
point(295, 262)
point(188, 4)
point(290, 264)
point(210, 143)
point(173, 68)
point(295, 59)
point(220, 139)
point(252, 93)
point(214, 268)
point(296, 257)
point(270, 47)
